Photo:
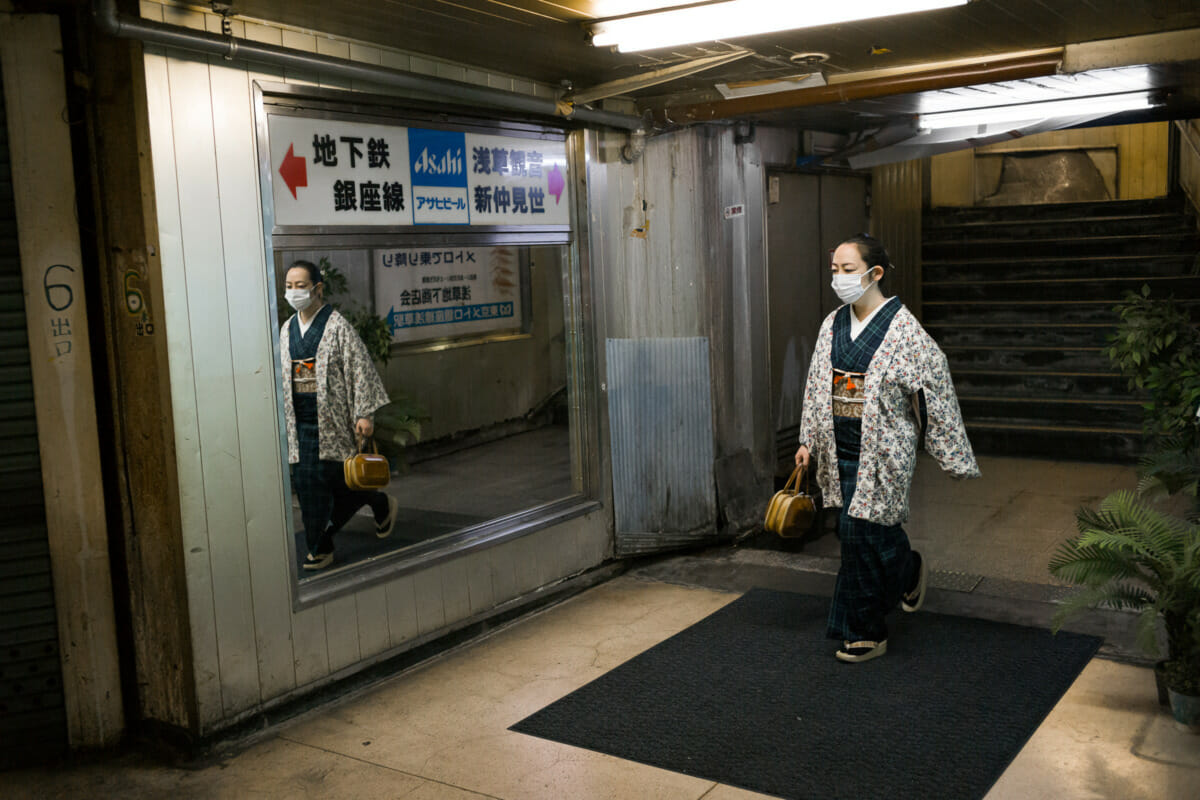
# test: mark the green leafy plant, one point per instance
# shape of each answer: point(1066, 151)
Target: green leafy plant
point(398, 424)
point(1171, 469)
point(372, 328)
point(1130, 555)
point(1157, 349)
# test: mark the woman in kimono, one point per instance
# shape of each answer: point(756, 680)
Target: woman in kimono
point(331, 391)
point(871, 362)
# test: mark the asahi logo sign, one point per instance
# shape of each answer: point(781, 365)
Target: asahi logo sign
point(450, 162)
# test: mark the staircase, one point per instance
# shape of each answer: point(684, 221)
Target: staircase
point(1020, 299)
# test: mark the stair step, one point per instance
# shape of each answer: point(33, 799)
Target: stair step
point(1016, 383)
point(1110, 291)
point(1098, 225)
point(1029, 359)
point(1091, 268)
point(1119, 414)
point(1004, 335)
point(1021, 299)
point(946, 215)
point(1137, 244)
point(1064, 443)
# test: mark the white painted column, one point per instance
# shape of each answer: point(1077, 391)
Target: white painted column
point(60, 354)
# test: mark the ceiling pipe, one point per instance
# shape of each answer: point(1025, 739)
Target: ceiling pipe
point(115, 24)
point(993, 71)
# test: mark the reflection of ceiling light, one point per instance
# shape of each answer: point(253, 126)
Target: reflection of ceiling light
point(704, 22)
point(1119, 80)
point(1097, 106)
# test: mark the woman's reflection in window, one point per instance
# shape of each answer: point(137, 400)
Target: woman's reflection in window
point(331, 391)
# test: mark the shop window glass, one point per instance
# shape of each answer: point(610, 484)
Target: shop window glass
point(471, 345)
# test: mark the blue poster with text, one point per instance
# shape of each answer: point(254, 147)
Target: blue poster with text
point(438, 160)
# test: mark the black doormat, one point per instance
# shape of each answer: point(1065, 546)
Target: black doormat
point(752, 696)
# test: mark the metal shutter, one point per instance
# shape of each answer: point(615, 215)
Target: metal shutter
point(32, 712)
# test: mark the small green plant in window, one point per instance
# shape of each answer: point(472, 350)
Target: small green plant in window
point(372, 328)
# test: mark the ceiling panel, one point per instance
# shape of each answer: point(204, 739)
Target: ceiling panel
point(545, 40)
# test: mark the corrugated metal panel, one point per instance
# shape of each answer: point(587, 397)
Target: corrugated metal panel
point(32, 711)
point(660, 416)
point(896, 221)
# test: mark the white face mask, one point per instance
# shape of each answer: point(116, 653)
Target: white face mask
point(849, 288)
point(299, 299)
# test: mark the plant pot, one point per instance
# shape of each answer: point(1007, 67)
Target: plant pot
point(1160, 682)
point(1186, 710)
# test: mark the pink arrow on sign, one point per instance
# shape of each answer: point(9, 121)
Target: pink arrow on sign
point(294, 171)
point(556, 183)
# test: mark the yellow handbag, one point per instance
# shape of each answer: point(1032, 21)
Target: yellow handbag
point(791, 512)
point(366, 471)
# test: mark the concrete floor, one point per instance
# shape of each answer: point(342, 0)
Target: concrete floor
point(1003, 525)
point(439, 731)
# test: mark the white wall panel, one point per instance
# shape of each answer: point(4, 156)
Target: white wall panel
point(201, 216)
point(503, 573)
point(372, 610)
point(251, 331)
point(479, 584)
point(341, 632)
point(310, 646)
point(525, 563)
point(401, 611)
point(456, 599)
point(431, 608)
point(251, 646)
point(189, 463)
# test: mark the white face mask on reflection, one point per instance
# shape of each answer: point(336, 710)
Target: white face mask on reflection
point(849, 288)
point(299, 299)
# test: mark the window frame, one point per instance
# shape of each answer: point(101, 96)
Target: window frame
point(582, 384)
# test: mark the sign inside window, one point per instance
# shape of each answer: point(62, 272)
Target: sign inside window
point(335, 172)
point(430, 293)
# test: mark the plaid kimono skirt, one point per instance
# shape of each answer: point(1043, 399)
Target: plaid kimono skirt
point(326, 505)
point(877, 563)
point(311, 475)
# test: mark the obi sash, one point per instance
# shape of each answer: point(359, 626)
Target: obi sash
point(303, 351)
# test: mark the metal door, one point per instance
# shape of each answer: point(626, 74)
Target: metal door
point(807, 215)
point(32, 710)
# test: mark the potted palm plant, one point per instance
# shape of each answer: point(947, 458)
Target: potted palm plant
point(1130, 555)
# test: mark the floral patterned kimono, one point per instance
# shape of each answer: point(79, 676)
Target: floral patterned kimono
point(329, 382)
point(860, 424)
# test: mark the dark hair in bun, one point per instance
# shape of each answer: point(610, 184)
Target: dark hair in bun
point(871, 250)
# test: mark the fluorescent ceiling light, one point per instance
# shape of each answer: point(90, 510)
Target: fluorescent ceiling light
point(733, 18)
point(1097, 106)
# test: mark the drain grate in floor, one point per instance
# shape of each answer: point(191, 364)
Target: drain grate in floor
point(954, 581)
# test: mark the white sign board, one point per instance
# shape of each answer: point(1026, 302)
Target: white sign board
point(336, 172)
point(435, 292)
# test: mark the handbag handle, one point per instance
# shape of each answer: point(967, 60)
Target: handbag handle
point(362, 441)
point(798, 474)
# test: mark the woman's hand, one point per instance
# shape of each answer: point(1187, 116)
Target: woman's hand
point(364, 427)
point(802, 457)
